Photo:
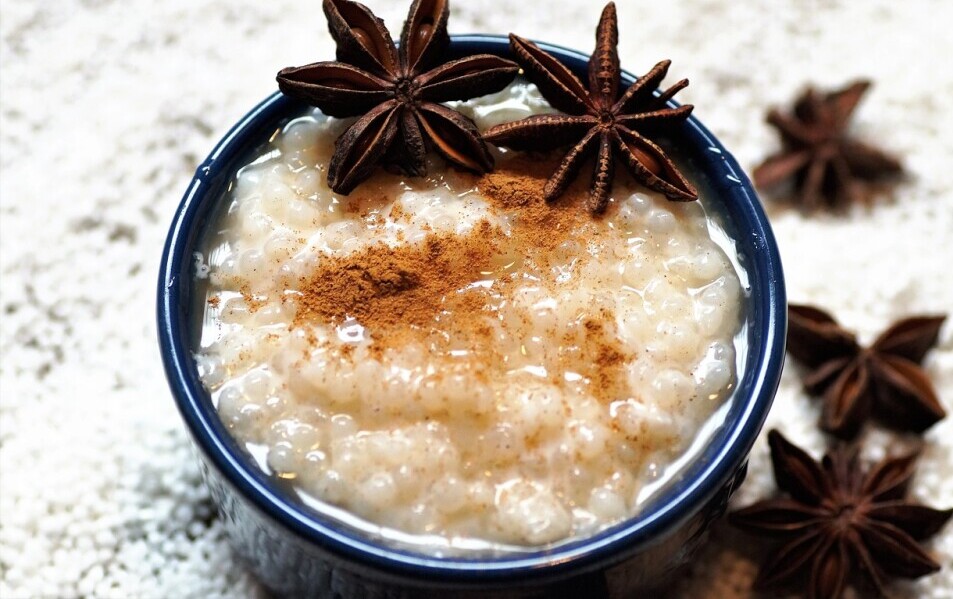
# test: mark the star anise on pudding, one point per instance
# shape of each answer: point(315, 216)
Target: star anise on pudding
point(823, 162)
point(397, 91)
point(601, 120)
point(841, 522)
point(884, 379)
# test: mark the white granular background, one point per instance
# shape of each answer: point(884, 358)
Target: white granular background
point(108, 106)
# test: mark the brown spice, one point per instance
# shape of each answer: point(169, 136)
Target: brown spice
point(516, 187)
point(386, 288)
point(403, 294)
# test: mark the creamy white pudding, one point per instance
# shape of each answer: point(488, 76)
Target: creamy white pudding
point(451, 362)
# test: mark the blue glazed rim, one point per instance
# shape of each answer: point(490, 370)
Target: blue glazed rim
point(727, 451)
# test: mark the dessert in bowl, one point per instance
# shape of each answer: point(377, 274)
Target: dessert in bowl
point(448, 382)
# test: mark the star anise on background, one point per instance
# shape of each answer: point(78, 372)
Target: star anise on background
point(884, 380)
point(840, 521)
point(398, 92)
point(601, 120)
point(825, 164)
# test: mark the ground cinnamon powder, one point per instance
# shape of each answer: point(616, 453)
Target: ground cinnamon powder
point(385, 288)
point(400, 293)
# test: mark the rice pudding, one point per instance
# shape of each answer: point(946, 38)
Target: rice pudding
point(453, 363)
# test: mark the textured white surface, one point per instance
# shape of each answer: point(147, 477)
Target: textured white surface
point(108, 106)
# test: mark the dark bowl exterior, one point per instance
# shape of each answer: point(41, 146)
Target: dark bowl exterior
point(295, 552)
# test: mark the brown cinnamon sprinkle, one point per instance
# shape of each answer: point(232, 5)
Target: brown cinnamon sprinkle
point(385, 288)
point(403, 294)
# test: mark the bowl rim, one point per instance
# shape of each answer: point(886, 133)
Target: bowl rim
point(676, 506)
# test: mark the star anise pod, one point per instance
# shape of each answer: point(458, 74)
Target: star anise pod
point(841, 523)
point(884, 380)
point(824, 163)
point(398, 92)
point(601, 121)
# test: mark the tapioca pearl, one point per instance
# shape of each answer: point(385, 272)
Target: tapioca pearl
point(258, 383)
point(534, 349)
point(635, 208)
point(376, 492)
point(527, 296)
point(708, 263)
point(305, 380)
point(455, 388)
point(307, 183)
point(211, 370)
point(275, 197)
point(671, 389)
point(421, 517)
point(430, 394)
point(481, 495)
point(567, 251)
point(312, 466)
point(660, 221)
point(480, 401)
point(646, 424)
point(248, 183)
point(673, 341)
point(302, 437)
point(224, 272)
point(256, 228)
point(690, 213)
point(723, 292)
point(247, 422)
point(530, 513)
point(449, 495)
point(299, 134)
point(342, 426)
point(237, 349)
point(712, 379)
point(442, 221)
point(606, 504)
point(270, 314)
point(710, 318)
point(622, 481)
point(304, 263)
point(504, 442)
point(637, 272)
point(343, 388)
point(722, 351)
point(283, 460)
point(677, 307)
point(230, 402)
point(601, 302)
point(539, 409)
point(300, 215)
point(328, 485)
point(275, 172)
point(235, 311)
point(338, 233)
point(387, 398)
point(251, 261)
point(677, 245)
point(659, 289)
point(590, 439)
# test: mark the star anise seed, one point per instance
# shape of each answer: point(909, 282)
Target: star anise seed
point(600, 121)
point(396, 92)
point(825, 164)
point(883, 380)
point(842, 523)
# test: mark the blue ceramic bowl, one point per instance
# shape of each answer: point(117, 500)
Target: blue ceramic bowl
point(296, 552)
